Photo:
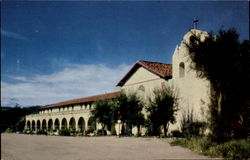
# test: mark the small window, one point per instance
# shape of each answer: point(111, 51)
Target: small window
point(181, 70)
point(141, 88)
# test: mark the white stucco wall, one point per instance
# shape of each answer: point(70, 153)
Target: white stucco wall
point(145, 78)
point(149, 81)
point(193, 91)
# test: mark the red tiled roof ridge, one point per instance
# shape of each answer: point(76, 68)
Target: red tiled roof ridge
point(159, 68)
point(152, 62)
point(83, 100)
point(162, 69)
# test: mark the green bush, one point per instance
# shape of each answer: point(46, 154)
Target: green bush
point(9, 130)
point(41, 132)
point(178, 142)
point(101, 132)
point(192, 129)
point(205, 143)
point(176, 133)
point(64, 132)
point(89, 131)
point(235, 149)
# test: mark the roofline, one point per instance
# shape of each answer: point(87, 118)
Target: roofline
point(82, 100)
point(140, 63)
point(118, 84)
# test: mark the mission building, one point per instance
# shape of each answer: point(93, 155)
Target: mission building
point(142, 78)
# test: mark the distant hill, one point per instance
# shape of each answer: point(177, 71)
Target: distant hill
point(13, 118)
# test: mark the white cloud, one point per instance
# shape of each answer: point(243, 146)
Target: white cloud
point(13, 35)
point(75, 81)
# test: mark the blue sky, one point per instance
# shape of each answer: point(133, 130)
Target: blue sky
point(55, 51)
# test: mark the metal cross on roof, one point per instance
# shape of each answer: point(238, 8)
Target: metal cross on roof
point(195, 23)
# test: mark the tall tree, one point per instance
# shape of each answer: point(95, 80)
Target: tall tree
point(103, 112)
point(162, 109)
point(129, 111)
point(224, 61)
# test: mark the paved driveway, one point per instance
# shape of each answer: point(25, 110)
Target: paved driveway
point(34, 147)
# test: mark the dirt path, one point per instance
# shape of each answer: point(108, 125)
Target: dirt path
point(33, 147)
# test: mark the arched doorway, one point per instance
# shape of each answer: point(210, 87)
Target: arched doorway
point(44, 127)
point(33, 126)
point(72, 124)
point(50, 125)
point(64, 123)
point(38, 125)
point(81, 125)
point(57, 124)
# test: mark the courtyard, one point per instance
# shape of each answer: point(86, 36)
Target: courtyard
point(40, 147)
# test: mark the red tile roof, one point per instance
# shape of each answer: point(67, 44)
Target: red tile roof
point(161, 69)
point(84, 100)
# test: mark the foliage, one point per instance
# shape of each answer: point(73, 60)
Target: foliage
point(129, 110)
point(234, 149)
point(101, 132)
point(64, 132)
point(162, 110)
point(89, 131)
point(176, 133)
point(189, 126)
point(102, 112)
point(41, 132)
point(224, 61)
point(17, 120)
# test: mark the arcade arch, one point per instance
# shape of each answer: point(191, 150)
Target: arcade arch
point(33, 128)
point(64, 123)
point(38, 125)
point(50, 124)
point(81, 125)
point(44, 126)
point(72, 124)
point(57, 124)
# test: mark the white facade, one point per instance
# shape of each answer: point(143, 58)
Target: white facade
point(193, 92)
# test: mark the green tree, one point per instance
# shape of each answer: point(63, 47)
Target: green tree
point(162, 110)
point(17, 121)
point(224, 61)
point(129, 111)
point(103, 112)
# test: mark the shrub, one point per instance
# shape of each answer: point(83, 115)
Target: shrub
point(89, 131)
point(189, 127)
point(178, 142)
point(64, 132)
point(235, 149)
point(73, 132)
point(9, 130)
point(205, 143)
point(176, 133)
point(41, 132)
point(101, 132)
